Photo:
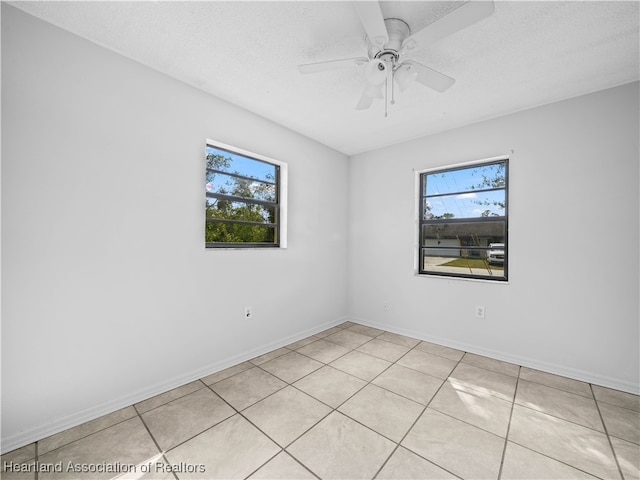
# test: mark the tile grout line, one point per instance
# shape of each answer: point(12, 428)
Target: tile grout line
point(510, 418)
point(248, 477)
point(569, 421)
point(555, 388)
point(37, 475)
point(412, 348)
point(582, 470)
point(333, 409)
point(288, 384)
point(197, 434)
point(564, 419)
point(239, 412)
point(555, 417)
point(160, 450)
point(514, 403)
point(197, 380)
point(606, 432)
point(446, 380)
point(370, 382)
point(88, 434)
point(367, 383)
point(168, 401)
point(519, 380)
point(506, 435)
point(325, 363)
point(399, 444)
point(637, 412)
point(178, 398)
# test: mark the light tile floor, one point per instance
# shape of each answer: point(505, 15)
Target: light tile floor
point(355, 402)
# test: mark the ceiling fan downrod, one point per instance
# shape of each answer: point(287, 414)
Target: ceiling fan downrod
point(398, 31)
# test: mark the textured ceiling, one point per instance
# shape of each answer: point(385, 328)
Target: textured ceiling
point(526, 54)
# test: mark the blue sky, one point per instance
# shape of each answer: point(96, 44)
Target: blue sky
point(461, 193)
point(245, 166)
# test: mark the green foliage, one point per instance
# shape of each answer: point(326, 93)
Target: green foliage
point(489, 213)
point(218, 162)
point(236, 233)
point(238, 210)
point(495, 179)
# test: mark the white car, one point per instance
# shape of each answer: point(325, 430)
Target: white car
point(496, 253)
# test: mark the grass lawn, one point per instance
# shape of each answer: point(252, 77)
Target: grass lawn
point(471, 262)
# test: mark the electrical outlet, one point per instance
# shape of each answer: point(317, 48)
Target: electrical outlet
point(248, 313)
point(480, 311)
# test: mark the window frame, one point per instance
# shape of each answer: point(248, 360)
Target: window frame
point(280, 203)
point(421, 196)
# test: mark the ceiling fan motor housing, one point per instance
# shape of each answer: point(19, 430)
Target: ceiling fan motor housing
point(398, 30)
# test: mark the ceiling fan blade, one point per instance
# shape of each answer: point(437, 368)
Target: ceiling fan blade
point(365, 102)
point(430, 77)
point(332, 65)
point(370, 93)
point(373, 22)
point(462, 17)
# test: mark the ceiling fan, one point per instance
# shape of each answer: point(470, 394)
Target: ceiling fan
point(390, 41)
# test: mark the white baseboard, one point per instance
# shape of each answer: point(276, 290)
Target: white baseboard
point(576, 374)
point(58, 425)
point(38, 433)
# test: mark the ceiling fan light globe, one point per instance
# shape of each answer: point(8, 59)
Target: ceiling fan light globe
point(376, 72)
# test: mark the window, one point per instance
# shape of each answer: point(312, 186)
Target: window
point(245, 196)
point(463, 221)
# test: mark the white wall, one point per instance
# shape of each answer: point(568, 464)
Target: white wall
point(109, 295)
point(571, 304)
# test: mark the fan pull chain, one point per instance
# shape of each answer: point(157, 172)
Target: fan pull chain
point(386, 96)
point(393, 91)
